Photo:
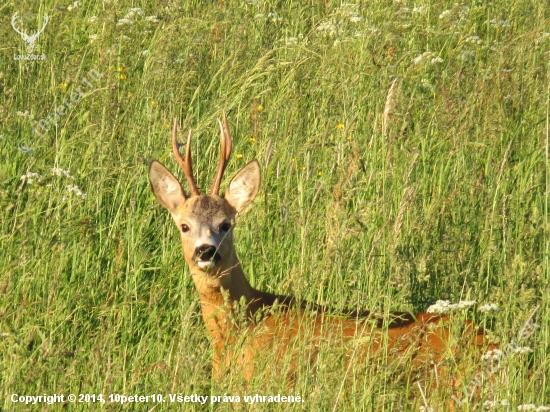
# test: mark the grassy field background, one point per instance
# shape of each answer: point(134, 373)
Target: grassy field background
point(404, 151)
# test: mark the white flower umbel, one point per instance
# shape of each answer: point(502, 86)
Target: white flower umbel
point(76, 190)
point(30, 177)
point(60, 172)
point(445, 306)
point(489, 307)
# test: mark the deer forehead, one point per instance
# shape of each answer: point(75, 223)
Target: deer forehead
point(205, 210)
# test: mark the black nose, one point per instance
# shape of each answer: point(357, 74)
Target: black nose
point(206, 253)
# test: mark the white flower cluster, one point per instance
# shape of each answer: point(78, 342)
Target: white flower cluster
point(76, 190)
point(74, 5)
point(521, 350)
point(473, 39)
point(445, 306)
point(132, 14)
point(531, 407)
point(30, 177)
point(60, 172)
point(492, 404)
point(336, 23)
point(427, 55)
point(488, 307)
point(500, 22)
point(444, 14)
point(328, 27)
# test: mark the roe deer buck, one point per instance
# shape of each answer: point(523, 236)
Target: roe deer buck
point(205, 223)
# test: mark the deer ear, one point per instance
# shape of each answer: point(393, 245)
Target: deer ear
point(244, 186)
point(166, 188)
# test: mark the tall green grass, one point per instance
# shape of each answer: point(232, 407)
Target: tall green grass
point(404, 149)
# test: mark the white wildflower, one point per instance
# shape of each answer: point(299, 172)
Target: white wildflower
point(445, 306)
point(144, 52)
point(328, 27)
point(92, 19)
point(290, 41)
point(93, 37)
point(60, 172)
point(444, 14)
point(134, 11)
point(152, 19)
point(356, 19)
point(124, 22)
point(30, 177)
point(74, 5)
point(419, 10)
point(436, 60)
point(500, 22)
point(421, 57)
point(521, 350)
point(357, 33)
point(473, 39)
point(489, 307)
point(76, 190)
point(543, 37)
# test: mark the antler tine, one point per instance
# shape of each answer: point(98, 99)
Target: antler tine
point(186, 165)
point(225, 152)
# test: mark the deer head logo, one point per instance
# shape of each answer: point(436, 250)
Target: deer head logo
point(30, 40)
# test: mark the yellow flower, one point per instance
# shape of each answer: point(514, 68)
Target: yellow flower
point(166, 126)
point(120, 69)
point(293, 159)
point(340, 126)
point(122, 76)
point(130, 95)
point(64, 85)
point(436, 133)
point(260, 108)
point(252, 140)
point(153, 103)
point(239, 156)
point(350, 138)
point(303, 168)
point(291, 96)
point(320, 174)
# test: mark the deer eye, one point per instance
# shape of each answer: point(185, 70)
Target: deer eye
point(224, 227)
point(184, 228)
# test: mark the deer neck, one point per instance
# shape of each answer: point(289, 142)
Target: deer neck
point(220, 291)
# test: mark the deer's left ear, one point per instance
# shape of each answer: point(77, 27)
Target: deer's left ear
point(244, 186)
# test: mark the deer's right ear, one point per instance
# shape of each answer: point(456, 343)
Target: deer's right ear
point(166, 188)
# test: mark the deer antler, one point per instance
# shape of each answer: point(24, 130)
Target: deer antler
point(225, 152)
point(186, 164)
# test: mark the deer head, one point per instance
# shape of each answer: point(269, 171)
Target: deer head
point(205, 222)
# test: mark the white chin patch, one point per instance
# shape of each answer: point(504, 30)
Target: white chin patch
point(206, 264)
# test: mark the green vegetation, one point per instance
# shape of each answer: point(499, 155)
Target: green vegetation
point(404, 150)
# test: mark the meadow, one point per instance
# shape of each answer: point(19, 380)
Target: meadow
point(404, 149)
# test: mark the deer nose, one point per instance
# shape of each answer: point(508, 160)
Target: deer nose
point(206, 253)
